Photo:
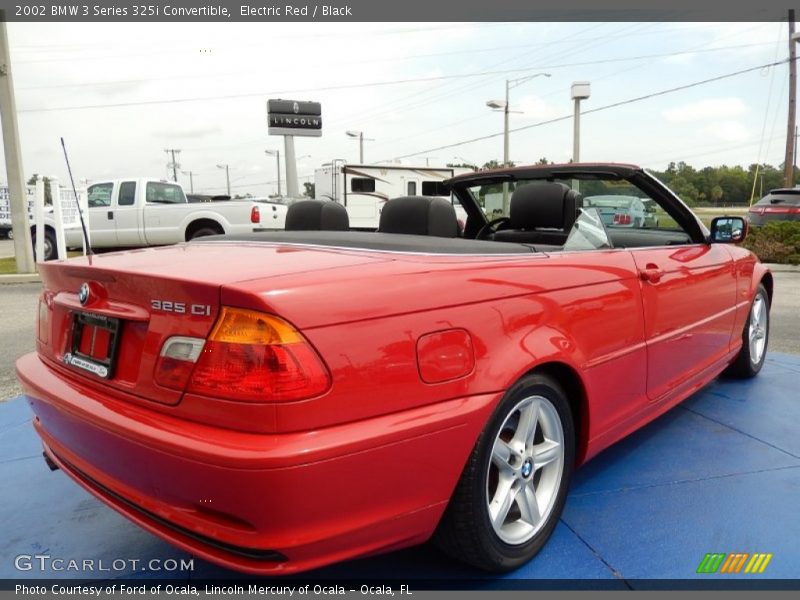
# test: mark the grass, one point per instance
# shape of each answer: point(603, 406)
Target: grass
point(8, 266)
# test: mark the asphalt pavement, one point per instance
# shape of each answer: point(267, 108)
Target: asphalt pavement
point(6, 248)
point(18, 313)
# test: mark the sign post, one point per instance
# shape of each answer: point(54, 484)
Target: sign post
point(290, 118)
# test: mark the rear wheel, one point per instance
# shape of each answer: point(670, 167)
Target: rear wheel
point(512, 491)
point(755, 337)
point(204, 231)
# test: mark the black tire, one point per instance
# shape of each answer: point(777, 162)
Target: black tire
point(204, 231)
point(466, 531)
point(50, 246)
point(749, 361)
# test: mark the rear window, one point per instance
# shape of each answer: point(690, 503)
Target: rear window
point(164, 193)
point(607, 202)
point(783, 198)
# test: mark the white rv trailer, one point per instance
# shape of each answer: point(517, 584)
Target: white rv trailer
point(363, 189)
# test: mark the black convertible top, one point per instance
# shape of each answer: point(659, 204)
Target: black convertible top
point(388, 242)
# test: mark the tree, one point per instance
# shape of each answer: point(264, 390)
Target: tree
point(309, 190)
point(48, 196)
point(462, 166)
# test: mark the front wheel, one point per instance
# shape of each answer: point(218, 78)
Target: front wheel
point(50, 251)
point(513, 488)
point(755, 337)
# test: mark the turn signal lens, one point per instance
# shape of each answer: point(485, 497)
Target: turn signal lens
point(255, 215)
point(256, 357)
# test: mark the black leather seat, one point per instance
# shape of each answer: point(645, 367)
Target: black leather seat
point(540, 213)
point(419, 215)
point(317, 215)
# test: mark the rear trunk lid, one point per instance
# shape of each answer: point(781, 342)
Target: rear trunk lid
point(103, 319)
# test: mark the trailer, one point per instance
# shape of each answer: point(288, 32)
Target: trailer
point(363, 189)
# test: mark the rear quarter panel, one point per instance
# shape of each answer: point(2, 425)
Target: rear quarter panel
point(579, 309)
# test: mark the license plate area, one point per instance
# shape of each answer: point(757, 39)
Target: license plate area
point(94, 344)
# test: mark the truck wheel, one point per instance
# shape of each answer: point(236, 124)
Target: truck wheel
point(49, 244)
point(10, 234)
point(512, 491)
point(204, 231)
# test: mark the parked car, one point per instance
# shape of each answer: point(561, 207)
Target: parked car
point(277, 402)
point(619, 211)
point(138, 212)
point(778, 205)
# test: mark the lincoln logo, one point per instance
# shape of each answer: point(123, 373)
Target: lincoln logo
point(83, 293)
point(296, 108)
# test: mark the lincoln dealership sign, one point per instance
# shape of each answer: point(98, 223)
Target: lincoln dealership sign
point(291, 117)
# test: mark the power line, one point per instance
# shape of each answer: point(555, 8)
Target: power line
point(359, 85)
point(600, 108)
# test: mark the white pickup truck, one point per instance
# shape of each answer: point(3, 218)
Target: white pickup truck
point(135, 212)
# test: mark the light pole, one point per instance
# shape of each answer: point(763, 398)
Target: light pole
point(581, 90)
point(360, 136)
point(506, 108)
point(227, 176)
point(277, 154)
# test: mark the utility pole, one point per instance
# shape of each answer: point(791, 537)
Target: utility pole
point(227, 176)
point(788, 164)
point(191, 180)
point(173, 164)
point(17, 192)
point(277, 154)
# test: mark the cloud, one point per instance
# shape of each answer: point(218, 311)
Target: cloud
point(727, 131)
point(535, 108)
point(711, 108)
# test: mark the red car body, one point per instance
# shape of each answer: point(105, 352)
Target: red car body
point(418, 349)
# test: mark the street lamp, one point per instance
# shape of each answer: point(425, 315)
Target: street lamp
point(360, 136)
point(227, 176)
point(277, 154)
point(506, 107)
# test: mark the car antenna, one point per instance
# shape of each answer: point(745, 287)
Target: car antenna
point(77, 203)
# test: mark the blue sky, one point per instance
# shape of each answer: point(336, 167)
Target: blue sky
point(143, 69)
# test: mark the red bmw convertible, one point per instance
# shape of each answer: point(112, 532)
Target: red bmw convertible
point(280, 401)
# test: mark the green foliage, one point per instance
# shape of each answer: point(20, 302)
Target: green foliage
point(48, 196)
point(776, 242)
point(720, 186)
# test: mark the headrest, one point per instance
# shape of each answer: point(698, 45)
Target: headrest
point(419, 215)
point(317, 215)
point(535, 205)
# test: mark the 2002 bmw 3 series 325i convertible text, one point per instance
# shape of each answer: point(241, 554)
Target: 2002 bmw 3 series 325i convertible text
point(276, 402)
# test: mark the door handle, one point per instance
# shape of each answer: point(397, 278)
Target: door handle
point(651, 273)
point(110, 215)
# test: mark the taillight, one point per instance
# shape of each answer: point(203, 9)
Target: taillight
point(255, 215)
point(622, 219)
point(176, 361)
point(256, 357)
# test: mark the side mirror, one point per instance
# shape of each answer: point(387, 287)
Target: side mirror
point(728, 230)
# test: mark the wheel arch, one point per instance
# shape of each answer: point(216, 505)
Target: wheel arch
point(769, 284)
point(200, 223)
point(573, 385)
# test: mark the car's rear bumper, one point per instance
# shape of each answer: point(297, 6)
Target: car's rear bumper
point(276, 503)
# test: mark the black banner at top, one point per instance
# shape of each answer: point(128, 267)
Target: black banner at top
point(294, 107)
point(389, 11)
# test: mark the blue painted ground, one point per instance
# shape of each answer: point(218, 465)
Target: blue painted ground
point(720, 473)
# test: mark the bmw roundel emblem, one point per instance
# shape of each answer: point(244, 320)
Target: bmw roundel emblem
point(83, 293)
